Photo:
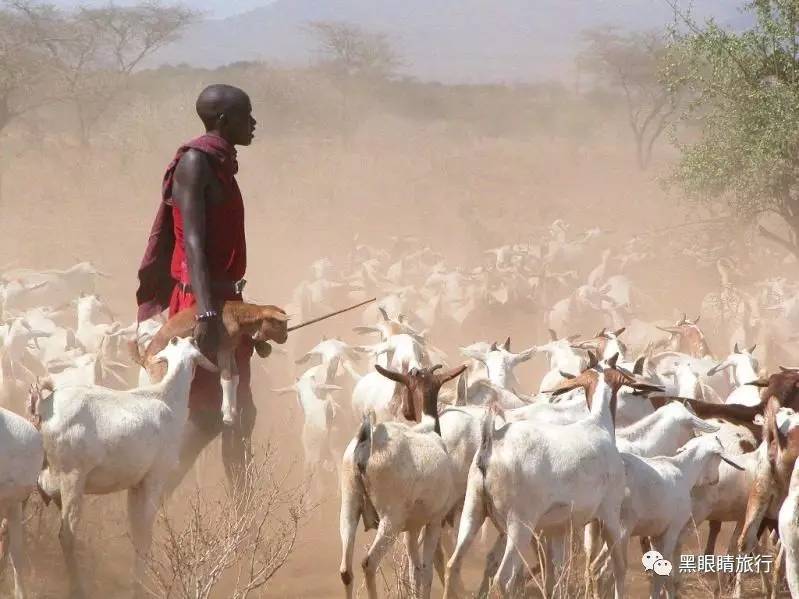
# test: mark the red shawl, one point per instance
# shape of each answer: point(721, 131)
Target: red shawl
point(156, 283)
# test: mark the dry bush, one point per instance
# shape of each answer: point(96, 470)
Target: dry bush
point(231, 541)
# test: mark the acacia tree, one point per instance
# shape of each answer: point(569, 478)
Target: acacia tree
point(744, 99)
point(23, 67)
point(353, 50)
point(92, 52)
point(631, 63)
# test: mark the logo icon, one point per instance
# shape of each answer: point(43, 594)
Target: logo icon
point(653, 561)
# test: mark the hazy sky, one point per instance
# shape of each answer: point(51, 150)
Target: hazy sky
point(213, 8)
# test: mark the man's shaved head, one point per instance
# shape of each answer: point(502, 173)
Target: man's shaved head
point(227, 110)
point(218, 99)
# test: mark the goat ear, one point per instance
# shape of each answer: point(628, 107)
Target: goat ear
point(564, 387)
point(174, 341)
point(567, 375)
point(592, 359)
point(493, 347)
point(506, 345)
point(393, 375)
point(525, 355)
point(365, 330)
point(763, 383)
point(303, 359)
point(751, 350)
point(206, 364)
point(275, 314)
point(553, 336)
point(618, 332)
point(284, 390)
point(670, 330)
point(736, 349)
point(638, 368)
point(448, 375)
point(647, 388)
point(474, 355)
point(613, 359)
point(327, 387)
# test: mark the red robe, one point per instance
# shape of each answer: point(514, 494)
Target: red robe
point(164, 263)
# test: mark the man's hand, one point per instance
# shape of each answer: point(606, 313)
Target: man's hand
point(206, 334)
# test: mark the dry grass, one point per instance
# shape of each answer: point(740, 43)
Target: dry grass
point(237, 541)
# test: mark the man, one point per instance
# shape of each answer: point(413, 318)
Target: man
point(197, 255)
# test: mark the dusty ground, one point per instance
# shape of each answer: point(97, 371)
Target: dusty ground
point(306, 198)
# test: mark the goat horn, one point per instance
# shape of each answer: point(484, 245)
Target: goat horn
point(326, 316)
point(731, 463)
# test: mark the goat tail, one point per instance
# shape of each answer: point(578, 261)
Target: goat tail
point(487, 438)
point(774, 441)
point(363, 445)
point(35, 396)
point(461, 394)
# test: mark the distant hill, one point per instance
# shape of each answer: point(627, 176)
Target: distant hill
point(446, 40)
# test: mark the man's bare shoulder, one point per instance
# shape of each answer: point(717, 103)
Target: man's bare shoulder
point(192, 167)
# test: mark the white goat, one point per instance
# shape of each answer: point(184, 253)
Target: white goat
point(21, 458)
point(499, 362)
point(334, 354)
point(562, 358)
point(744, 370)
point(101, 441)
point(528, 477)
point(662, 432)
point(318, 410)
point(95, 321)
point(657, 502)
point(49, 287)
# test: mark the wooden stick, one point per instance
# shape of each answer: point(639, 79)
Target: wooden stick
point(326, 316)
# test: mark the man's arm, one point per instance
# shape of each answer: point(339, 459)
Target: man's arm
point(188, 192)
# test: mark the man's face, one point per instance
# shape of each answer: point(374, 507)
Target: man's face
point(240, 124)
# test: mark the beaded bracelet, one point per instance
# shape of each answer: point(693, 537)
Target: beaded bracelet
point(205, 316)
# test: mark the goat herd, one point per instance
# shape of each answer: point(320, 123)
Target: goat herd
point(639, 431)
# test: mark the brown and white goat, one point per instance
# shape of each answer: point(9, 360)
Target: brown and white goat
point(688, 338)
point(240, 320)
point(400, 479)
point(773, 475)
